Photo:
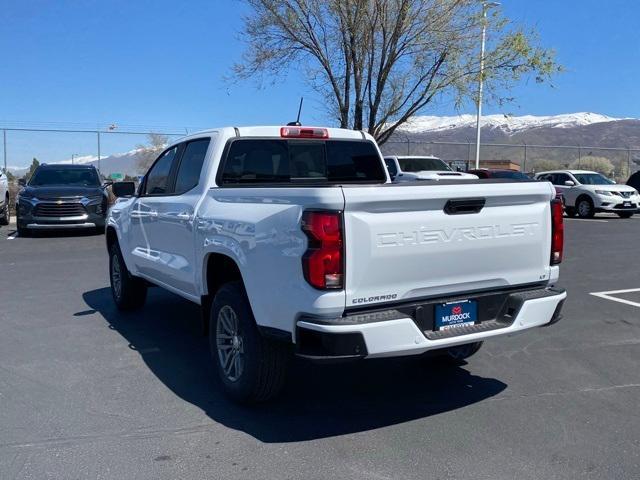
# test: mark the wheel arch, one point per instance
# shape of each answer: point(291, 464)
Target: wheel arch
point(582, 196)
point(111, 236)
point(218, 269)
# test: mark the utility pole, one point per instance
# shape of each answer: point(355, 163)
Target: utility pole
point(485, 7)
point(98, 132)
point(4, 142)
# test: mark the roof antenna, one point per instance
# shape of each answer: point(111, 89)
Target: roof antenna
point(297, 122)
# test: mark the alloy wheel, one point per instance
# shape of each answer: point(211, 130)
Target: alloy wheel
point(229, 344)
point(116, 276)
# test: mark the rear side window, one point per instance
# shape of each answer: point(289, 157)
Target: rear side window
point(158, 175)
point(255, 161)
point(191, 165)
point(391, 166)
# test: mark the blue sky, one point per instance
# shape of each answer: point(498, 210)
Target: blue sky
point(161, 64)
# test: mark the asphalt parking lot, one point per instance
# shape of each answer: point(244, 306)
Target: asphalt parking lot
point(88, 392)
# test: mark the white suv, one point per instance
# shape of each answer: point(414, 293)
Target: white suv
point(586, 193)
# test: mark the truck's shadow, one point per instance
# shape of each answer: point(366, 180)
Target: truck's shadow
point(319, 401)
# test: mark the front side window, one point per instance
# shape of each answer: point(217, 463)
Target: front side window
point(425, 164)
point(80, 177)
point(191, 165)
point(158, 175)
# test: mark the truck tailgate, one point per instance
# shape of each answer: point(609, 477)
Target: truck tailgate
point(402, 245)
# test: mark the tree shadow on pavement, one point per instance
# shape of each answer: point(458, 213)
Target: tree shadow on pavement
point(319, 401)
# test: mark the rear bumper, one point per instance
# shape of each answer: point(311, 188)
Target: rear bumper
point(408, 329)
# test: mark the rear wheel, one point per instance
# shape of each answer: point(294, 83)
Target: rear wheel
point(585, 208)
point(128, 292)
point(6, 214)
point(625, 214)
point(250, 368)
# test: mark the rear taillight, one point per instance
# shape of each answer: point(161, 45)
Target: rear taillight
point(557, 231)
point(323, 262)
point(304, 132)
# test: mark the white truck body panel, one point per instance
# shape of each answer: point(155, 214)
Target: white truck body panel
point(407, 247)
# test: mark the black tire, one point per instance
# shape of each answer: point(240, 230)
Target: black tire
point(625, 214)
point(5, 218)
point(250, 367)
point(584, 207)
point(570, 211)
point(23, 231)
point(131, 293)
point(458, 354)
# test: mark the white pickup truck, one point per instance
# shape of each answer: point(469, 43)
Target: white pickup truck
point(293, 239)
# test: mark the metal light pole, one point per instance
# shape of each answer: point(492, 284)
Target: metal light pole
point(485, 7)
point(4, 144)
point(73, 155)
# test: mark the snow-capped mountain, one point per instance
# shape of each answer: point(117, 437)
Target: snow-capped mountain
point(506, 123)
point(587, 129)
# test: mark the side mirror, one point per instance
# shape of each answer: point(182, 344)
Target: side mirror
point(22, 182)
point(570, 183)
point(124, 189)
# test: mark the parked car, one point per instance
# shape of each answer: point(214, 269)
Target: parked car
point(62, 197)
point(294, 239)
point(634, 180)
point(499, 173)
point(411, 168)
point(508, 174)
point(5, 214)
point(586, 193)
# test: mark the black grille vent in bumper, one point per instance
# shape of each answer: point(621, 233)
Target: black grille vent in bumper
point(54, 209)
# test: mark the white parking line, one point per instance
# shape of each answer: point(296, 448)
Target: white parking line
point(12, 236)
point(608, 296)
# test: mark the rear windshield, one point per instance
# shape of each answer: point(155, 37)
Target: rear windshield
point(256, 161)
point(82, 177)
point(510, 174)
point(422, 165)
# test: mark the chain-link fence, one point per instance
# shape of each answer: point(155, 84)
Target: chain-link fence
point(617, 163)
point(113, 151)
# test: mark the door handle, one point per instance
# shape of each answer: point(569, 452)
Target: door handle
point(181, 217)
point(143, 214)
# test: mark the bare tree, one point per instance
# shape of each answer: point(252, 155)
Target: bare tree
point(156, 142)
point(379, 62)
